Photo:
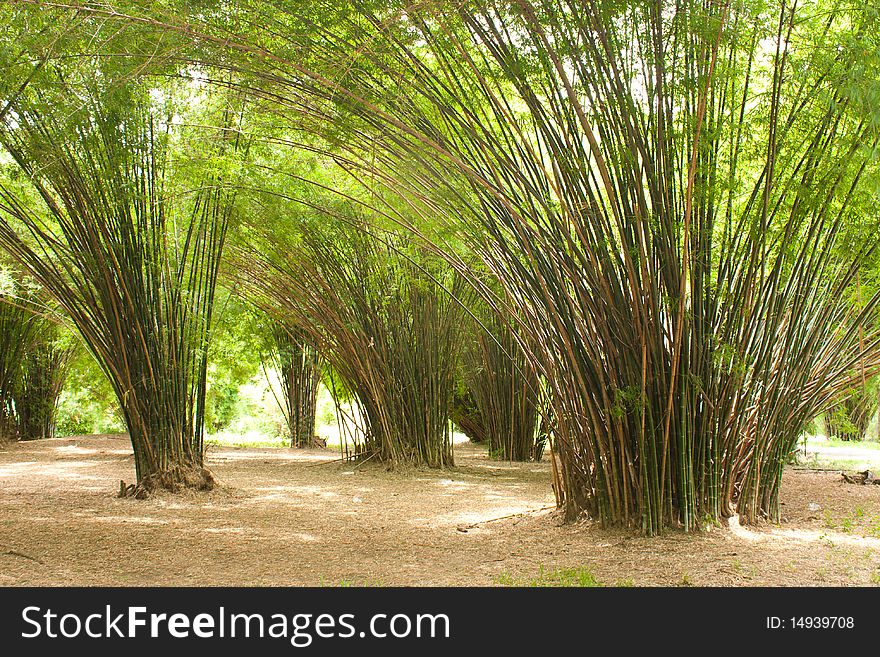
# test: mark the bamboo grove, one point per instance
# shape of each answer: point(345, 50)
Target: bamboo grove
point(656, 202)
point(16, 335)
point(678, 269)
point(501, 398)
point(34, 360)
point(296, 361)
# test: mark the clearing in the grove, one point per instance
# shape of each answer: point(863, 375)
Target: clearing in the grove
point(301, 517)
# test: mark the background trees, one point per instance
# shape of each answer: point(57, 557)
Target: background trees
point(380, 316)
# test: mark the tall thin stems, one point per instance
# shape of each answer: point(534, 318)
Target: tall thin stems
point(659, 189)
point(18, 332)
point(505, 393)
point(660, 196)
point(295, 360)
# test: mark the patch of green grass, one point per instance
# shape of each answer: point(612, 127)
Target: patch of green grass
point(505, 579)
point(822, 441)
point(243, 443)
point(857, 522)
point(245, 439)
point(847, 464)
point(250, 440)
point(562, 577)
point(829, 520)
point(349, 583)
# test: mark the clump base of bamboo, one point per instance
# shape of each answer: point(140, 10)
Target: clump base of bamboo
point(175, 479)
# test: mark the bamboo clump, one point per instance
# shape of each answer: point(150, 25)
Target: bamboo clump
point(134, 270)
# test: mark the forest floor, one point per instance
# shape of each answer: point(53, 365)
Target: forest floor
point(300, 517)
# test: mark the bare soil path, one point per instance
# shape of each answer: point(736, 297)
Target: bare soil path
point(298, 517)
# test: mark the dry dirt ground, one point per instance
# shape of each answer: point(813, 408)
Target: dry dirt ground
point(293, 517)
